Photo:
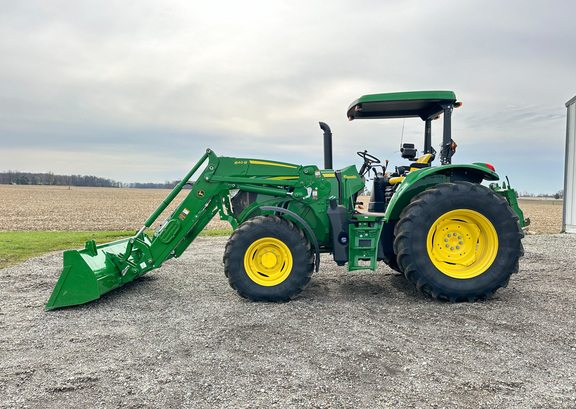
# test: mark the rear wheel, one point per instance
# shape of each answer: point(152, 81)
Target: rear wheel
point(268, 258)
point(458, 241)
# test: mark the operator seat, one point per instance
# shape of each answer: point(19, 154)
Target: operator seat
point(423, 161)
point(385, 184)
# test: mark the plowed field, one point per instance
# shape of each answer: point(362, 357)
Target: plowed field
point(63, 208)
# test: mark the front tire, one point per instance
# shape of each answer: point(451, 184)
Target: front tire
point(268, 258)
point(458, 241)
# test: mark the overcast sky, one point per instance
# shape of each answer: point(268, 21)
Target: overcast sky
point(135, 91)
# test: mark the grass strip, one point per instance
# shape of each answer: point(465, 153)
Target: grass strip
point(19, 246)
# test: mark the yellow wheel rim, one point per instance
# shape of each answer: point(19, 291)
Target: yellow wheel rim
point(462, 243)
point(268, 261)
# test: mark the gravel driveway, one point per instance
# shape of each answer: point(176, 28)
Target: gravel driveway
point(180, 337)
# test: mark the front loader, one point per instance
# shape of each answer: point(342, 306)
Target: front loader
point(453, 237)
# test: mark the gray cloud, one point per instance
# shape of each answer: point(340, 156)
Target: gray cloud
point(113, 84)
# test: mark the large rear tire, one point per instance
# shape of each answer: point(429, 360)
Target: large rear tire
point(268, 258)
point(458, 241)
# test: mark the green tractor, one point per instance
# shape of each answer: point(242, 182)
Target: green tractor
point(451, 236)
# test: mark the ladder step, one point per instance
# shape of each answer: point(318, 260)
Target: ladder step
point(364, 235)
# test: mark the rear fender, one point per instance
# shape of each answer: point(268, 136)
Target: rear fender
point(420, 180)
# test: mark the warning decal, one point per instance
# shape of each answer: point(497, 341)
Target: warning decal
point(184, 214)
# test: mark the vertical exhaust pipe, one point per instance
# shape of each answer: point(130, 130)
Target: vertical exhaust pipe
point(327, 145)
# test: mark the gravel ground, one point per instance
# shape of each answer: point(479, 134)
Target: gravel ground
point(181, 338)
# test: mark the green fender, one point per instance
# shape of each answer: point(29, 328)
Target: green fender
point(312, 218)
point(301, 214)
point(420, 180)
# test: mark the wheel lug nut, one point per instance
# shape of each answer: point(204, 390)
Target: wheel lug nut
point(461, 242)
point(451, 248)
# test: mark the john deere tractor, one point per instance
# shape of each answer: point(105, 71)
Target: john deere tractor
point(439, 226)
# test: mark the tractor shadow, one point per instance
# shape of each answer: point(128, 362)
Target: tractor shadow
point(362, 285)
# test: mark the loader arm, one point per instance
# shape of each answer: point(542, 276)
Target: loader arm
point(96, 270)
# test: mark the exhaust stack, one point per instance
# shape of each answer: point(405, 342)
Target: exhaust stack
point(327, 145)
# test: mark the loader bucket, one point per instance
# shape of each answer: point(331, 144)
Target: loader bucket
point(89, 273)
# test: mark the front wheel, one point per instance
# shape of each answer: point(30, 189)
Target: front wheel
point(268, 258)
point(458, 241)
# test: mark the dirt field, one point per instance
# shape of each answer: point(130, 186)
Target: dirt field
point(59, 208)
point(545, 215)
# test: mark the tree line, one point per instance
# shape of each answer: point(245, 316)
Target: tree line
point(26, 178)
point(558, 195)
point(49, 178)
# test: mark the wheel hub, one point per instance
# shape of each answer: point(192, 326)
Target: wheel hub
point(462, 243)
point(268, 261)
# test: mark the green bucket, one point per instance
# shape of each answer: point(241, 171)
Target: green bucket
point(89, 273)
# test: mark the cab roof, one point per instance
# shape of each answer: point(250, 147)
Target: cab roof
point(423, 104)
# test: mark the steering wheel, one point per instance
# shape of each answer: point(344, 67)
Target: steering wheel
point(368, 161)
point(368, 158)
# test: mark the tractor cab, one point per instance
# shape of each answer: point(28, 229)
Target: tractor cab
point(426, 105)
